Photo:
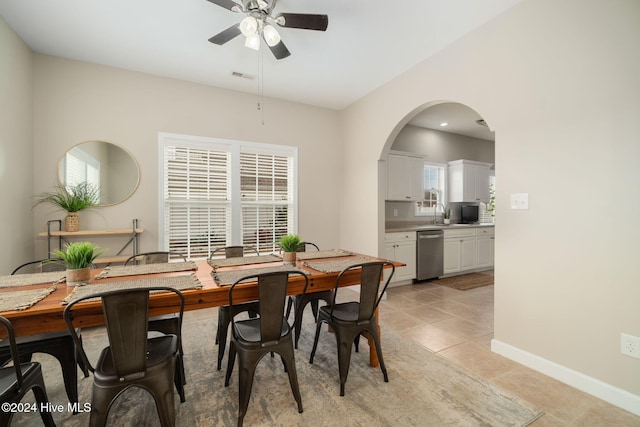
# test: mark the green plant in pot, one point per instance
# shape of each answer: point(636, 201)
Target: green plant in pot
point(289, 245)
point(446, 216)
point(79, 257)
point(71, 199)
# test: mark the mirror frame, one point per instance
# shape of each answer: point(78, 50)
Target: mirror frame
point(127, 152)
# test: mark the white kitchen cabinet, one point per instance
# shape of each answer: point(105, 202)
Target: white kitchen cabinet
point(401, 247)
point(468, 181)
point(459, 250)
point(405, 177)
point(485, 247)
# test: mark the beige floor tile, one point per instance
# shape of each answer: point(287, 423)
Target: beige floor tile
point(462, 328)
point(475, 357)
point(432, 338)
point(558, 399)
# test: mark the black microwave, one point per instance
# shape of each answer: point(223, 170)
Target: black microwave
point(469, 214)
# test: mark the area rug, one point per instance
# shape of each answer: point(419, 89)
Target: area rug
point(424, 389)
point(464, 282)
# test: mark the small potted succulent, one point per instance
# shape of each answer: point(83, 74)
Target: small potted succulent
point(71, 199)
point(289, 245)
point(446, 216)
point(78, 257)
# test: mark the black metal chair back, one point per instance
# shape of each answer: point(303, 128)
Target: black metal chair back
point(233, 251)
point(40, 266)
point(18, 379)
point(132, 359)
point(156, 257)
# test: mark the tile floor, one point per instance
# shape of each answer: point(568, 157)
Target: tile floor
point(459, 326)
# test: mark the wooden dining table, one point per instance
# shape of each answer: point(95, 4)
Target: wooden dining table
point(47, 314)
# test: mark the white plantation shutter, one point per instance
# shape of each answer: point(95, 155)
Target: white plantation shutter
point(202, 207)
point(265, 187)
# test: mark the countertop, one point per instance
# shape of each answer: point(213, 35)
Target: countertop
point(400, 226)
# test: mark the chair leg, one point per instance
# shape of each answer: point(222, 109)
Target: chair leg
point(293, 376)
point(247, 369)
point(289, 305)
point(344, 357)
point(230, 363)
point(40, 394)
point(223, 327)
point(179, 380)
point(315, 340)
point(376, 339)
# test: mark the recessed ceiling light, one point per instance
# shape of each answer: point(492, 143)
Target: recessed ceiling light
point(443, 124)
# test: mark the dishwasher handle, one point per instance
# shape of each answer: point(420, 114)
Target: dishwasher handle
point(430, 236)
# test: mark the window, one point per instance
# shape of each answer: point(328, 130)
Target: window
point(434, 190)
point(219, 193)
point(79, 167)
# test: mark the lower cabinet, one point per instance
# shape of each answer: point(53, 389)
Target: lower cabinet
point(468, 249)
point(484, 247)
point(401, 247)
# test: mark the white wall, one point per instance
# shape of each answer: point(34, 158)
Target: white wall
point(76, 101)
point(558, 81)
point(16, 150)
point(443, 147)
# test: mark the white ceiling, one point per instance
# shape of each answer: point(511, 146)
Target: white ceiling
point(366, 44)
point(460, 120)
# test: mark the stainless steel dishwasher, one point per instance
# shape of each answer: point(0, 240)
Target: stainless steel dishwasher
point(430, 254)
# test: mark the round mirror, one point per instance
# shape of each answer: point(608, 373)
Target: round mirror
point(105, 166)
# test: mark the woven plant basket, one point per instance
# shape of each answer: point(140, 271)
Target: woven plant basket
point(72, 222)
point(289, 258)
point(79, 276)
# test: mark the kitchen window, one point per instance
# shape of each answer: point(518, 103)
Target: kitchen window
point(434, 190)
point(219, 193)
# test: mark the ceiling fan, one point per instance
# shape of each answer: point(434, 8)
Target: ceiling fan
point(259, 22)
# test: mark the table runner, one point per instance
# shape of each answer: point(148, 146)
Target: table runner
point(134, 270)
point(230, 262)
point(32, 279)
point(229, 277)
point(334, 266)
point(179, 282)
point(331, 253)
point(21, 300)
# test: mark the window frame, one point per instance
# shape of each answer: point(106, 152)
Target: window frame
point(442, 203)
point(234, 148)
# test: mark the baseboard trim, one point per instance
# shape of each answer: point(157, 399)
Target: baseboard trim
point(616, 396)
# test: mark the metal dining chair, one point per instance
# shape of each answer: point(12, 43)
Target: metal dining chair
point(299, 302)
point(166, 323)
point(252, 338)
point(17, 380)
point(156, 257)
point(350, 319)
point(57, 344)
point(132, 359)
point(224, 316)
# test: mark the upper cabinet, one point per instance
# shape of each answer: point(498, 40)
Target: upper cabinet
point(405, 177)
point(468, 181)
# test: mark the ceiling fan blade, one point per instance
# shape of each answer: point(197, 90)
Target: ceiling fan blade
point(226, 35)
point(304, 21)
point(280, 51)
point(228, 4)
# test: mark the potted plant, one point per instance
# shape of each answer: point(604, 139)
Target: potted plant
point(71, 199)
point(78, 257)
point(289, 245)
point(446, 216)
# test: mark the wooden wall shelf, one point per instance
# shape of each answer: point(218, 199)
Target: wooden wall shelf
point(64, 236)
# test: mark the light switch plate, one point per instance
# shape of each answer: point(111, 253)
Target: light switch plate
point(520, 201)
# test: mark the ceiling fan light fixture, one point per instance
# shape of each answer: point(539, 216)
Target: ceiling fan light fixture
point(271, 36)
point(248, 26)
point(253, 41)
